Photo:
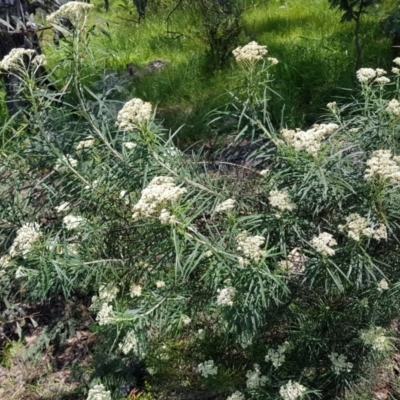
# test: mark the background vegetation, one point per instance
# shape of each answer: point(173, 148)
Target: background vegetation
point(121, 261)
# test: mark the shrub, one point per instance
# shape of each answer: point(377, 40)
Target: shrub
point(274, 279)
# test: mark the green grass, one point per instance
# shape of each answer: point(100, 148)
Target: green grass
point(316, 54)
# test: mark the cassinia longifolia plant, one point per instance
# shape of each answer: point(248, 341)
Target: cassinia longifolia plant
point(277, 283)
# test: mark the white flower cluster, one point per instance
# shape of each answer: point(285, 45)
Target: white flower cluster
point(186, 320)
point(227, 205)
point(277, 357)
point(280, 199)
point(129, 145)
point(106, 315)
point(20, 272)
point(65, 160)
point(73, 222)
point(339, 363)
point(75, 11)
point(236, 396)
point(273, 60)
point(226, 296)
point(5, 261)
point(65, 206)
point(160, 284)
point(393, 107)
point(357, 226)
point(323, 242)
point(88, 142)
point(15, 58)
point(166, 218)
point(249, 246)
point(107, 293)
point(292, 391)
point(129, 343)
point(383, 285)
point(207, 368)
point(160, 191)
point(310, 140)
point(135, 290)
point(365, 75)
point(255, 379)
point(135, 112)
point(99, 392)
point(375, 337)
point(295, 262)
point(250, 53)
point(382, 166)
point(26, 237)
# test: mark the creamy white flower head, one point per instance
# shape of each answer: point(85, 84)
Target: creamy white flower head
point(236, 396)
point(382, 80)
point(295, 262)
point(20, 272)
point(383, 285)
point(130, 343)
point(135, 290)
point(393, 107)
point(226, 296)
point(75, 11)
point(65, 206)
point(15, 58)
point(281, 200)
point(382, 166)
point(129, 145)
point(356, 226)
point(339, 363)
point(310, 140)
point(186, 320)
point(332, 106)
point(73, 222)
point(208, 254)
point(277, 357)
point(106, 315)
point(207, 368)
point(166, 218)
point(264, 172)
point(26, 237)
point(396, 70)
point(88, 142)
point(64, 161)
point(365, 75)
point(39, 59)
point(160, 284)
point(249, 246)
point(292, 391)
point(108, 293)
point(380, 72)
point(99, 392)
point(273, 60)
point(254, 378)
point(375, 337)
point(397, 61)
point(322, 244)
point(226, 205)
point(5, 261)
point(380, 232)
point(250, 53)
point(155, 198)
point(134, 113)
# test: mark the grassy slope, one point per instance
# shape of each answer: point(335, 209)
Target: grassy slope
point(315, 50)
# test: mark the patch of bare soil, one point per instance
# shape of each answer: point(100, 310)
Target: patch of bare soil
point(38, 359)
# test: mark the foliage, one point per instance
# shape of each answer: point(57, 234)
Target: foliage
point(278, 275)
